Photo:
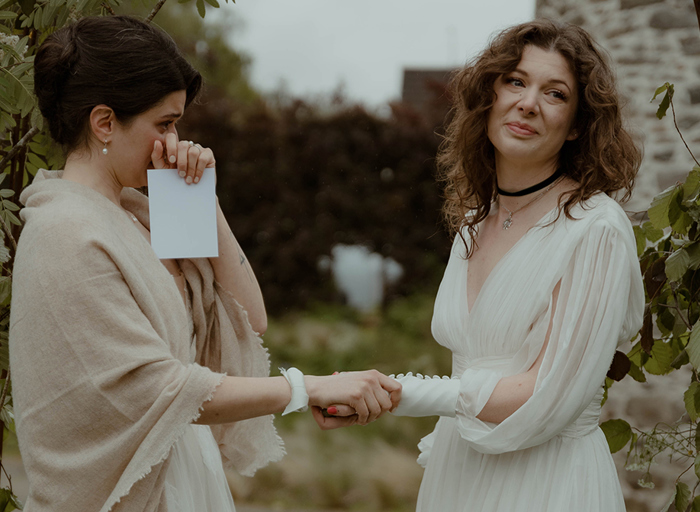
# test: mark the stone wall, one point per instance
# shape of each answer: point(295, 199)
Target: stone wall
point(650, 42)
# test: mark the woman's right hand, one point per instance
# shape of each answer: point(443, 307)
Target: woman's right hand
point(365, 397)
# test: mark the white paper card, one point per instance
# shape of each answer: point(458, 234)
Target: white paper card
point(183, 217)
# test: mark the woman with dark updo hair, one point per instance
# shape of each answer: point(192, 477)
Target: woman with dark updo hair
point(133, 376)
point(542, 284)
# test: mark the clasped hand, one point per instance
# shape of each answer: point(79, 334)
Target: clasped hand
point(359, 397)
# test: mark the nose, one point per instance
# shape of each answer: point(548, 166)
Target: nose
point(527, 104)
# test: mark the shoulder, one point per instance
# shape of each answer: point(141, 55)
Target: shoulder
point(601, 212)
point(62, 220)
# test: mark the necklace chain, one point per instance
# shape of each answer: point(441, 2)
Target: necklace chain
point(509, 221)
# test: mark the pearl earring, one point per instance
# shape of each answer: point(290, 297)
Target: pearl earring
point(104, 149)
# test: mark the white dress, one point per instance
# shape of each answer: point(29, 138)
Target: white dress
point(195, 480)
point(550, 455)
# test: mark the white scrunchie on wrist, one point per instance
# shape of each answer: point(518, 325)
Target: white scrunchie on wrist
point(300, 399)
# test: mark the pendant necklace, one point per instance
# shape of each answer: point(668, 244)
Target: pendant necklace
point(509, 221)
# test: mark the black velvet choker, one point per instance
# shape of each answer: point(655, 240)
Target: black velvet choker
point(534, 188)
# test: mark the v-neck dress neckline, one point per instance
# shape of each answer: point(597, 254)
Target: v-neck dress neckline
point(542, 222)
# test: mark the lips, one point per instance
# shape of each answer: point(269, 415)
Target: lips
point(521, 128)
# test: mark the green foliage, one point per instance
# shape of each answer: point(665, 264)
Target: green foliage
point(665, 101)
point(668, 245)
point(618, 433)
point(8, 501)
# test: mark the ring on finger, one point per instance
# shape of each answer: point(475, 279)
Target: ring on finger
point(190, 143)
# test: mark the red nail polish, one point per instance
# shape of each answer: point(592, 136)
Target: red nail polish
point(332, 410)
point(335, 373)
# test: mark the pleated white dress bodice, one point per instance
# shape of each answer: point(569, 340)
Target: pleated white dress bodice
point(550, 455)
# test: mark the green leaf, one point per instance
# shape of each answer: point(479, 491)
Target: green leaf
point(641, 239)
point(200, 8)
point(682, 496)
point(693, 347)
point(677, 264)
point(8, 501)
point(696, 504)
point(659, 90)
point(36, 160)
point(636, 373)
point(618, 433)
point(4, 355)
point(651, 232)
point(682, 223)
point(665, 101)
point(213, 3)
point(661, 358)
point(7, 15)
point(670, 501)
point(691, 187)
point(6, 192)
point(691, 398)
point(661, 208)
point(27, 7)
point(693, 251)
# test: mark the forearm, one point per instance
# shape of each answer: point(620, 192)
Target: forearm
point(425, 396)
point(508, 396)
point(233, 271)
point(369, 393)
point(242, 398)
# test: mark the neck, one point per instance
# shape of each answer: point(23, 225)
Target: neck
point(88, 170)
point(514, 176)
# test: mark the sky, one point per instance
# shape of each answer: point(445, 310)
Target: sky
point(312, 47)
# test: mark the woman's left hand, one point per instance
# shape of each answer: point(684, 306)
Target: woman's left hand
point(190, 159)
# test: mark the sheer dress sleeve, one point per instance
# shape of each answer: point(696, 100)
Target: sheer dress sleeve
point(600, 305)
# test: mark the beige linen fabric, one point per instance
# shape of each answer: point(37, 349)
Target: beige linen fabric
point(99, 344)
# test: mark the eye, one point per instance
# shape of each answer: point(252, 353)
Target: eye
point(558, 95)
point(517, 82)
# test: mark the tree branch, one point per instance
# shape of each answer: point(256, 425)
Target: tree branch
point(4, 389)
point(160, 4)
point(673, 111)
point(18, 147)
point(108, 8)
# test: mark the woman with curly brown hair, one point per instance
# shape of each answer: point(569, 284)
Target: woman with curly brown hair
point(542, 284)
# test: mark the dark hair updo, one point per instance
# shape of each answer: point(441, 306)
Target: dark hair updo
point(118, 61)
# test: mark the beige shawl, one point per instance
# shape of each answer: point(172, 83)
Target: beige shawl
point(99, 348)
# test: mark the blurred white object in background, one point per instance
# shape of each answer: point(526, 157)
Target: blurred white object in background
point(360, 274)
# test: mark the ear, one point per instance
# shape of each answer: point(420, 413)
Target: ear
point(573, 134)
point(102, 122)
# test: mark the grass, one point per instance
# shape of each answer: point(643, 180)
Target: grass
point(368, 468)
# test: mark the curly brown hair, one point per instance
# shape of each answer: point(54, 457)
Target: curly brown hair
point(603, 158)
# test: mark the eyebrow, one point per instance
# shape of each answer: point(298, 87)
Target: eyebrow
point(549, 81)
point(174, 115)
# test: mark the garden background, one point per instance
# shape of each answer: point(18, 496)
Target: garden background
point(297, 177)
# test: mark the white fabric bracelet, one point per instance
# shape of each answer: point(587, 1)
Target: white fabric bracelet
point(300, 399)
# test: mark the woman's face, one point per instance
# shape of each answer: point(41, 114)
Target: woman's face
point(132, 144)
point(534, 110)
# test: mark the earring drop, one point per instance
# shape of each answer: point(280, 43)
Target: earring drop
point(104, 149)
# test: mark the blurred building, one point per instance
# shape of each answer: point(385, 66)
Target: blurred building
point(650, 42)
